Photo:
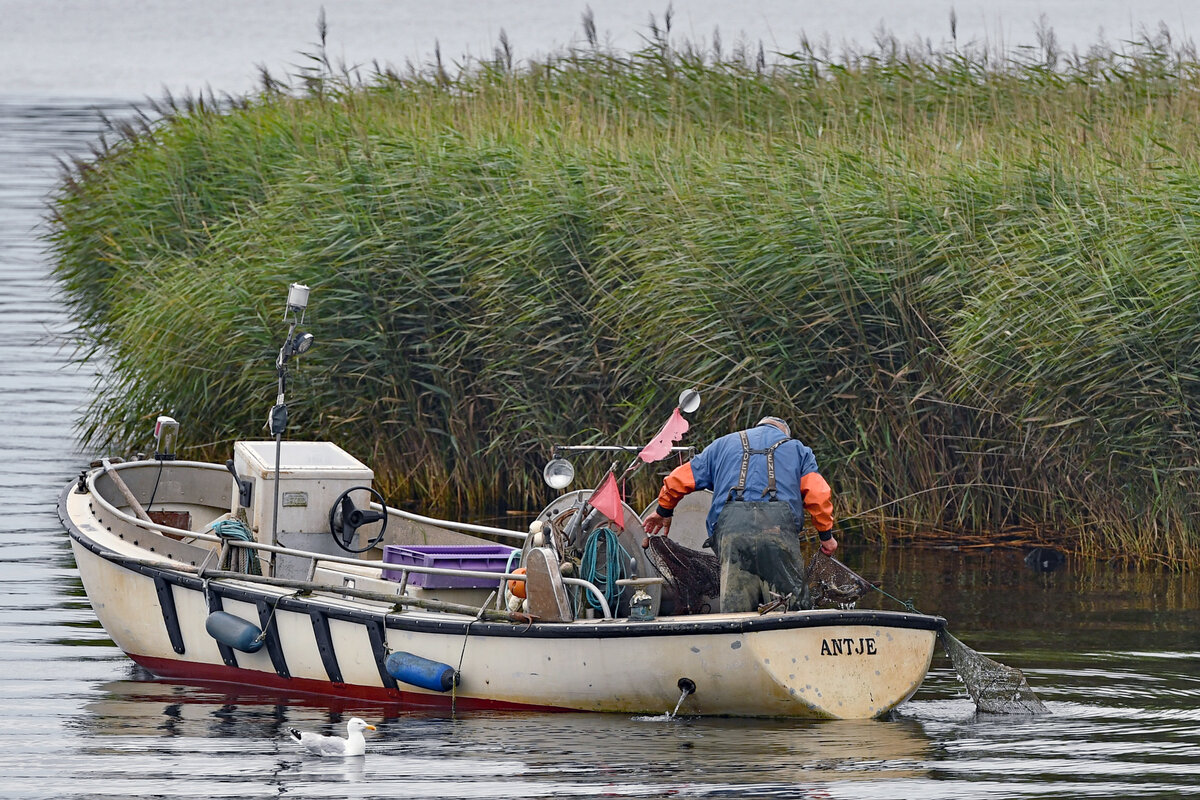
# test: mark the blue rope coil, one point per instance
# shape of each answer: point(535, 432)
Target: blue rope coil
point(615, 566)
point(241, 559)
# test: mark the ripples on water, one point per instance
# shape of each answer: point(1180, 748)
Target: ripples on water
point(1116, 656)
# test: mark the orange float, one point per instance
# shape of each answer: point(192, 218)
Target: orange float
point(517, 588)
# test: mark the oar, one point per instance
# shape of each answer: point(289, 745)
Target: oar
point(119, 482)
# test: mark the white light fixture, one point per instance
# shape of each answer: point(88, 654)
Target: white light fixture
point(558, 473)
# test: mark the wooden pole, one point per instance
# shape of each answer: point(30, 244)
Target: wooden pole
point(119, 482)
point(487, 614)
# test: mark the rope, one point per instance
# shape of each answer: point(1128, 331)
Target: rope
point(238, 559)
point(502, 597)
point(908, 604)
point(275, 607)
point(461, 654)
point(614, 567)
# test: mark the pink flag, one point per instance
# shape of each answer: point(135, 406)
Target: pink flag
point(660, 445)
point(607, 500)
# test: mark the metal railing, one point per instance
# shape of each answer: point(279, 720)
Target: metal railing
point(590, 587)
point(467, 527)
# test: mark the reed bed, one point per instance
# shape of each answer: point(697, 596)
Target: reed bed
point(969, 279)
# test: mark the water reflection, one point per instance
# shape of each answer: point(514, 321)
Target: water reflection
point(319, 771)
point(559, 749)
point(149, 707)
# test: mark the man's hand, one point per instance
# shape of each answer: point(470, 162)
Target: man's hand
point(829, 546)
point(657, 522)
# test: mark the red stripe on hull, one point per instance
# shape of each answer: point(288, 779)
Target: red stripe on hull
point(188, 671)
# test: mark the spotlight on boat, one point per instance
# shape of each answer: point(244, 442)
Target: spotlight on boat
point(689, 400)
point(300, 343)
point(558, 473)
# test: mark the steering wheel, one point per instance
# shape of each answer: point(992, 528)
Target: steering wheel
point(345, 519)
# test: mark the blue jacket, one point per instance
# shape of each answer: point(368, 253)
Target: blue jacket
point(717, 468)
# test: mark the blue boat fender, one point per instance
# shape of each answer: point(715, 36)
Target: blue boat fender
point(423, 672)
point(234, 631)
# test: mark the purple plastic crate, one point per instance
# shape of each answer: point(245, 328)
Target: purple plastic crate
point(478, 557)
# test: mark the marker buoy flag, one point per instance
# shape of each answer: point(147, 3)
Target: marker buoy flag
point(660, 445)
point(607, 500)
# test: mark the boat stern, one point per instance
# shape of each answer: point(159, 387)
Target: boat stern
point(849, 671)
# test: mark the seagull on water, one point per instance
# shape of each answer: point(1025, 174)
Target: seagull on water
point(353, 745)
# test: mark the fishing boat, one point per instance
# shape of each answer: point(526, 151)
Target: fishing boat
point(284, 569)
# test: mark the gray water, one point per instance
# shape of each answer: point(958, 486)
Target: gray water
point(132, 48)
point(1114, 654)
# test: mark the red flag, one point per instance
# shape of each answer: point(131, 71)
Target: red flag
point(607, 500)
point(660, 445)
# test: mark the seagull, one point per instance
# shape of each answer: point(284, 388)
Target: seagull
point(335, 746)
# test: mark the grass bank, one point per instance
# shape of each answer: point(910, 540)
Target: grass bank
point(969, 279)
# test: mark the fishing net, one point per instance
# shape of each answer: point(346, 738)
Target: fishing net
point(693, 576)
point(832, 583)
point(995, 688)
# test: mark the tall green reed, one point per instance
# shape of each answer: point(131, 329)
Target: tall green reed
point(968, 278)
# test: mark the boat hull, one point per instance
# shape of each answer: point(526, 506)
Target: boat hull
point(818, 664)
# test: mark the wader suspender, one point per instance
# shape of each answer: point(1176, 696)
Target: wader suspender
point(739, 492)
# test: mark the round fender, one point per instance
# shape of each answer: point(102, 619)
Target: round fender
point(423, 672)
point(234, 631)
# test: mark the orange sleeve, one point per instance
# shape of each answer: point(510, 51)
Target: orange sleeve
point(681, 481)
point(817, 500)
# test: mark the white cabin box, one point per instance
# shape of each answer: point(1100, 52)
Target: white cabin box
point(311, 477)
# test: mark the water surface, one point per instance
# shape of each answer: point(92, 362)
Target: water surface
point(129, 49)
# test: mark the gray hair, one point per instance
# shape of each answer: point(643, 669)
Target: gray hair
point(778, 423)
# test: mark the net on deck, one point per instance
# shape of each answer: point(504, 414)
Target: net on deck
point(832, 583)
point(693, 576)
point(995, 688)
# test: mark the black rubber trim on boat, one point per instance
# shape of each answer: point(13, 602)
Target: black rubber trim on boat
point(320, 623)
point(166, 601)
point(266, 620)
point(621, 629)
point(227, 653)
point(377, 633)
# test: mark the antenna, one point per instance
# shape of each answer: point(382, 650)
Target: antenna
point(297, 342)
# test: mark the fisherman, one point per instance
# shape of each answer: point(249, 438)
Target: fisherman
point(762, 481)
